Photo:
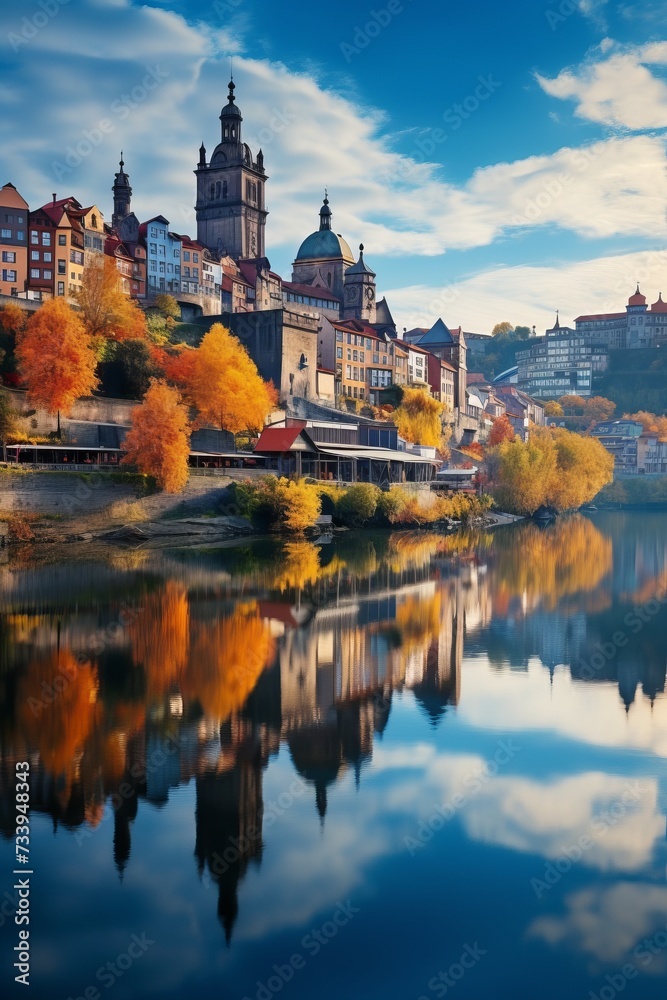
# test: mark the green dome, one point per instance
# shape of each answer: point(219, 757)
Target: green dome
point(324, 244)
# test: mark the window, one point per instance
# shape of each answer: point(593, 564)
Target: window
point(170, 268)
point(361, 355)
point(34, 272)
point(362, 374)
point(195, 272)
point(177, 251)
point(339, 353)
point(73, 276)
point(161, 267)
point(376, 359)
point(355, 356)
point(339, 336)
point(93, 221)
point(34, 236)
point(153, 249)
point(152, 266)
point(34, 255)
point(46, 239)
point(8, 275)
point(349, 338)
point(348, 371)
point(61, 288)
point(186, 272)
point(384, 359)
point(369, 344)
point(186, 255)
point(361, 393)
point(48, 275)
point(9, 218)
point(355, 374)
point(349, 355)
point(154, 232)
point(62, 239)
point(20, 235)
point(62, 267)
point(47, 257)
point(8, 257)
point(195, 258)
point(6, 234)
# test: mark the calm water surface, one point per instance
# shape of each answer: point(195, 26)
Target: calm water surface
point(395, 766)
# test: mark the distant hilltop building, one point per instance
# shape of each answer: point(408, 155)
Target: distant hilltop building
point(639, 326)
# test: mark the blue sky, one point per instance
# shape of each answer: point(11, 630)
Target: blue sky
point(498, 162)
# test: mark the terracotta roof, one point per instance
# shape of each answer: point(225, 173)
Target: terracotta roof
point(587, 319)
point(277, 439)
point(473, 377)
point(659, 306)
point(637, 299)
point(312, 290)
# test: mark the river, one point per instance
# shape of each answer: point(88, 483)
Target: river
point(402, 765)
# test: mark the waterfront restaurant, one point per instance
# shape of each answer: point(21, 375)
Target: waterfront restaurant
point(292, 451)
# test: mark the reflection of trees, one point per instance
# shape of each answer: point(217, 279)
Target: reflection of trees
point(299, 566)
point(57, 707)
point(548, 564)
point(160, 635)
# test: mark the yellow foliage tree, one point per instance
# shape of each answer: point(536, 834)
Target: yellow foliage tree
point(225, 386)
point(419, 418)
point(158, 442)
point(56, 360)
point(107, 312)
point(554, 468)
point(651, 423)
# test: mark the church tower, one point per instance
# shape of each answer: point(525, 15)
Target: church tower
point(359, 297)
point(231, 213)
point(122, 196)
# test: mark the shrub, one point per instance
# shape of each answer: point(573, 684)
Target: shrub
point(279, 504)
point(390, 504)
point(358, 504)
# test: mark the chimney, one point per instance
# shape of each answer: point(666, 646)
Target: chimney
point(54, 197)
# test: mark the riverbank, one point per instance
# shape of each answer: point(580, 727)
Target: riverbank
point(51, 507)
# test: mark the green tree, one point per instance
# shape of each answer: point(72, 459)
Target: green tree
point(168, 306)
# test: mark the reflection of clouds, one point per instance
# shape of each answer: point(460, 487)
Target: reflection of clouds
point(610, 923)
point(545, 819)
point(587, 712)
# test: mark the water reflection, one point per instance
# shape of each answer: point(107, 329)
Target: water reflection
point(130, 675)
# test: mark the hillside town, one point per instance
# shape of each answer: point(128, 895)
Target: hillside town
point(325, 339)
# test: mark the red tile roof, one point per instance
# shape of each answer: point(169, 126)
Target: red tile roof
point(277, 439)
point(311, 290)
point(475, 377)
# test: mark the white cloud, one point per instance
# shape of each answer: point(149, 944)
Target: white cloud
point(311, 136)
point(620, 91)
point(530, 295)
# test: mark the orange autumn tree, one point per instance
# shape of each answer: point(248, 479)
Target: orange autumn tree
point(227, 657)
point(158, 442)
point(502, 430)
point(12, 318)
point(225, 386)
point(55, 358)
point(107, 312)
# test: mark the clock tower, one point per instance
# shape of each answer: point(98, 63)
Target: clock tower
point(359, 291)
point(231, 213)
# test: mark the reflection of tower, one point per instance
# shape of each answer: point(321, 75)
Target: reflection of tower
point(440, 685)
point(628, 679)
point(229, 826)
point(123, 816)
